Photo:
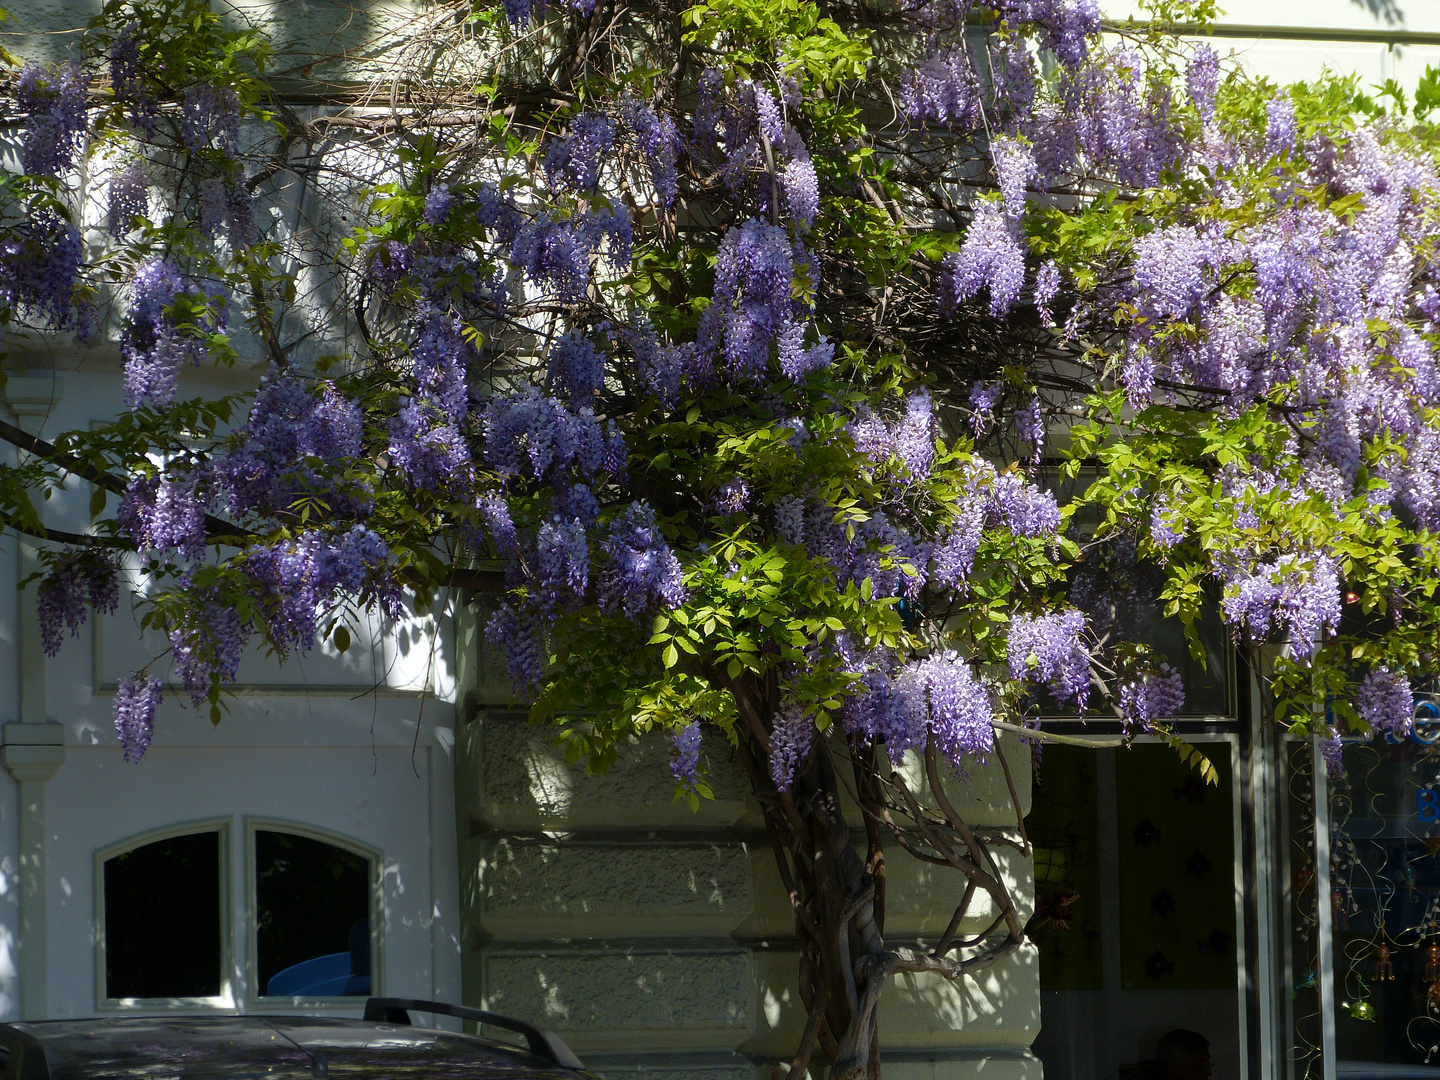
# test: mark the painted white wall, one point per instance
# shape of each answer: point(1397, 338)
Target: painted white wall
point(358, 745)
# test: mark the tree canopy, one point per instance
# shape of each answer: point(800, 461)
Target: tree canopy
point(846, 377)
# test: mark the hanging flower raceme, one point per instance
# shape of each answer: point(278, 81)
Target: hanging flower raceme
point(39, 269)
point(991, 257)
point(296, 444)
point(531, 435)
point(790, 741)
point(1386, 703)
point(659, 142)
point(79, 579)
point(573, 162)
point(1049, 650)
point(54, 98)
point(640, 574)
point(557, 252)
point(1299, 597)
point(754, 307)
point(303, 578)
point(1151, 697)
point(170, 323)
point(906, 706)
point(167, 512)
point(136, 699)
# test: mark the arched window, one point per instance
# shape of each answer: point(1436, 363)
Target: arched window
point(161, 904)
point(315, 913)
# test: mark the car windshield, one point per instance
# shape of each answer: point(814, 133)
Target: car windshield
point(285, 1048)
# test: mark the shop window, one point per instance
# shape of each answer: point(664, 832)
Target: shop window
point(1136, 916)
point(313, 902)
point(1364, 957)
point(162, 917)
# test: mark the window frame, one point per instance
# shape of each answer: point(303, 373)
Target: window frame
point(226, 999)
point(301, 1003)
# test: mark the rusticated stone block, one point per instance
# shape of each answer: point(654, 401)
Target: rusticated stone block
point(920, 897)
point(980, 1063)
point(525, 783)
point(539, 887)
point(624, 999)
point(672, 1066)
point(998, 1007)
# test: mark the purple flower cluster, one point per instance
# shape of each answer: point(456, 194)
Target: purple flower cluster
point(574, 160)
point(522, 635)
point(659, 142)
point(1167, 527)
point(127, 82)
point(944, 90)
point(685, 764)
point(938, 697)
point(1153, 696)
point(983, 398)
point(528, 434)
point(1047, 288)
point(54, 98)
point(910, 440)
point(210, 116)
point(731, 497)
point(388, 264)
point(136, 698)
point(560, 569)
point(557, 252)
point(1386, 702)
point(1287, 595)
point(1049, 650)
point(754, 307)
point(1014, 169)
point(155, 345)
point(428, 447)
point(1202, 80)
point(304, 577)
point(226, 204)
point(790, 742)
point(39, 267)
point(1279, 125)
point(210, 651)
point(77, 578)
point(437, 204)
point(440, 360)
point(1021, 507)
point(991, 257)
point(296, 442)
point(165, 513)
point(1332, 751)
point(1066, 25)
point(1030, 426)
point(129, 199)
point(640, 573)
point(662, 368)
point(577, 366)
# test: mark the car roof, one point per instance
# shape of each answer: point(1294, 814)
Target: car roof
point(171, 1047)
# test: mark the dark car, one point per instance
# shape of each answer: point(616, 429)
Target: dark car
point(382, 1046)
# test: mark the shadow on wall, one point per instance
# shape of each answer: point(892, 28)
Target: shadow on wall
point(1387, 11)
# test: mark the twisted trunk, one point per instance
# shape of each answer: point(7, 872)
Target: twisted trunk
point(837, 885)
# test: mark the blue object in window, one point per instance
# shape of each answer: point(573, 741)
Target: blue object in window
point(324, 976)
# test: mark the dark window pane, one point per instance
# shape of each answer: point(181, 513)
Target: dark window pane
point(162, 919)
point(312, 917)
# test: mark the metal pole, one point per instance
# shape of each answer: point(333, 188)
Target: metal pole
point(1325, 961)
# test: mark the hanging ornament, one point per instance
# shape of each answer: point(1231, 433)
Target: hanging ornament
point(1384, 967)
point(1432, 962)
point(1339, 917)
